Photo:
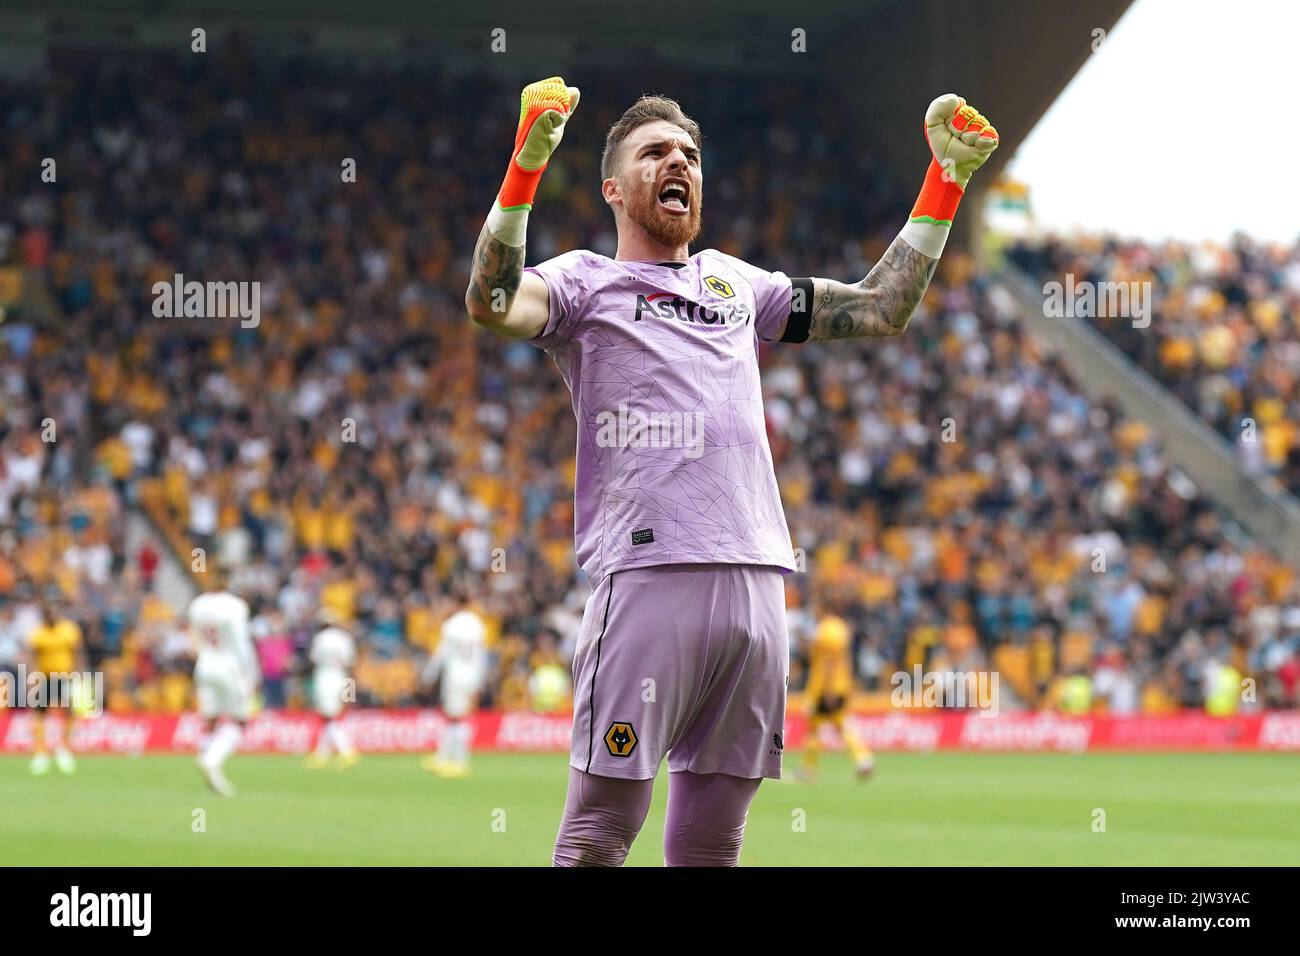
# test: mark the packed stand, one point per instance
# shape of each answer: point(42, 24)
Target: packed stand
point(365, 448)
point(1224, 336)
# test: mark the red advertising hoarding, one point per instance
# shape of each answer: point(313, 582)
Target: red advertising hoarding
point(415, 731)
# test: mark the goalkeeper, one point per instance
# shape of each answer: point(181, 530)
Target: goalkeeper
point(683, 650)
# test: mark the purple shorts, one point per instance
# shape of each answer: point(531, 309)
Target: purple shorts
point(689, 660)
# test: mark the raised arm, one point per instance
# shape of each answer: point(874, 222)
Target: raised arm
point(501, 296)
point(881, 304)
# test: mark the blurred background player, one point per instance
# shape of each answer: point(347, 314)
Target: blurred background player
point(830, 682)
point(226, 676)
point(333, 652)
point(460, 667)
point(550, 689)
point(54, 646)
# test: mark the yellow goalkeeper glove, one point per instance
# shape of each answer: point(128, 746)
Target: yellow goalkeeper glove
point(544, 107)
point(961, 140)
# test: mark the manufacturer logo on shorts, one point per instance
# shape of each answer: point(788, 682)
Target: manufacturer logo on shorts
point(777, 742)
point(644, 536)
point(620, 739)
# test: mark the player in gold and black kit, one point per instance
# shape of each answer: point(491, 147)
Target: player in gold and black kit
point(53, 646)
point(830, 683)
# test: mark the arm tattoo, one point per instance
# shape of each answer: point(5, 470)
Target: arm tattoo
point(880, 304)
point(496, 266)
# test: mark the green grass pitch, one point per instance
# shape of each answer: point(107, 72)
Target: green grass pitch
point(919, 810)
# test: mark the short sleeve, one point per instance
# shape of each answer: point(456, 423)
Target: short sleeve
point(568, 284)
point(772, 297)
point(781, 305)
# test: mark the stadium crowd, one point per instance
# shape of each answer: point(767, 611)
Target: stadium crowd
point(951, 492)
point(1224, 337)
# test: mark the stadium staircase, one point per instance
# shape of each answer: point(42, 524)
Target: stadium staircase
point(171, 582)
point(163, 523)
point(1261, 506)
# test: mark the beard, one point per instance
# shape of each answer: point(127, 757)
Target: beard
point(663, 228)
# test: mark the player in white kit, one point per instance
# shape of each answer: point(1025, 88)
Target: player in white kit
point(333, 652)
point(460, 666)
point(226, 678)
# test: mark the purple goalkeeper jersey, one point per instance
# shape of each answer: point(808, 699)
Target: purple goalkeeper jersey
point(673, 464)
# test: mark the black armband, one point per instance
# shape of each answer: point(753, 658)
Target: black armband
point(801, 306)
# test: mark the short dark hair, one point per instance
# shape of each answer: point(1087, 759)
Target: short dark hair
point(647, 109)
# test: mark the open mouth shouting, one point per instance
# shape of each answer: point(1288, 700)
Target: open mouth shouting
point(674, 195)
